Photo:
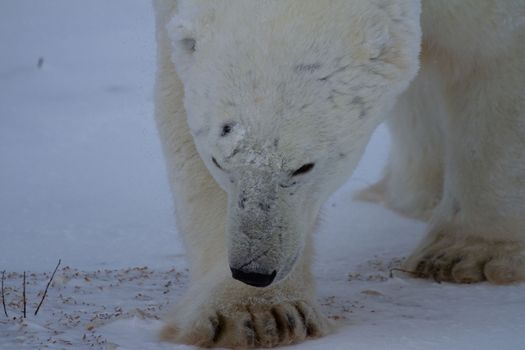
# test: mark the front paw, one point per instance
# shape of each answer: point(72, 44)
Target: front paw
point(257, 324)
point(469, 259)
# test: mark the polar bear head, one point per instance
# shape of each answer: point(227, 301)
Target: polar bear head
point(282, 98)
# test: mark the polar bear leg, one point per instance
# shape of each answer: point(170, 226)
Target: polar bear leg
point(218, 310)
point(413, 177)
point(478, 230)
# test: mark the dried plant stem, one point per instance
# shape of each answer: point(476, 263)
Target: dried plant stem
point(47, 287)
point(3, 295)
point(24, 300)
point(414, 273)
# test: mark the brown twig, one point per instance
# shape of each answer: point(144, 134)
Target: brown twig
point(3, 295)
point(47, 287)
point(24, 294)
point(414, 273)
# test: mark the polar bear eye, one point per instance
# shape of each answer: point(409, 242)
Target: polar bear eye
point(304, 169)
point(227, 128)
point(189, 44)
point(216, 163)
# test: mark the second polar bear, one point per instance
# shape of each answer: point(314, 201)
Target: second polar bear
point(264, 108)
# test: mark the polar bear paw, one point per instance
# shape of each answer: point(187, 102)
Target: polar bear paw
point(469, 260)
point(249, 326)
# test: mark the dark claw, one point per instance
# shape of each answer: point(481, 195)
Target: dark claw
point(280, 323)
point(248, 324)
point(420, 268)
point(218, 327)
point(435, 275)
point(440, 256)
point(269, 327)
point(457, 260)
point(301, 314)
point(433, 271)
point(447, 273)
point(311, 330)
point(251, 335)
point(291, 323)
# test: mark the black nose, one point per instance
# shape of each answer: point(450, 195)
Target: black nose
point(252, 278)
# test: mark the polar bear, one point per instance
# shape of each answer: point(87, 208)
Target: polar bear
point(264, 108)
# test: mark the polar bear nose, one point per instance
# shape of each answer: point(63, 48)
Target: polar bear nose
point(252, 278)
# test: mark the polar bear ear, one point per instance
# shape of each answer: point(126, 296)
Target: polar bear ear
point(183, 44)
point(182, 36)
point(189, 44)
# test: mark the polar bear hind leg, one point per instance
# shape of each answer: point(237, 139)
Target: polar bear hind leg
point(477, 232)
point(413, 177)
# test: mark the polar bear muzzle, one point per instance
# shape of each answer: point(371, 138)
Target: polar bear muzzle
point(264, 236)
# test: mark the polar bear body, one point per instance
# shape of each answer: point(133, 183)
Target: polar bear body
point(264, 109)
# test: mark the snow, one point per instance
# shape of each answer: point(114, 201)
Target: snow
point(82, 179)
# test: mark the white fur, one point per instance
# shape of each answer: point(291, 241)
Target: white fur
point(297, 82)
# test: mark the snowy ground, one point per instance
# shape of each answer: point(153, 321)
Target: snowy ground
point(82, 179)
